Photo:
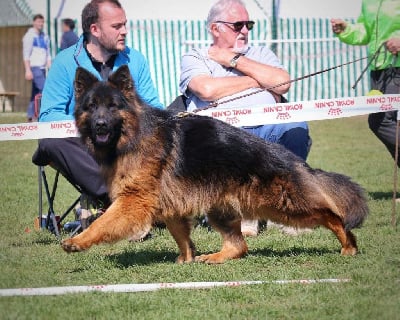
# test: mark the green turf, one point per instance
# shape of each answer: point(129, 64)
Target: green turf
point(29, 258)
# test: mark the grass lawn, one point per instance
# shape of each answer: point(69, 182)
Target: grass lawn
point(30, 258)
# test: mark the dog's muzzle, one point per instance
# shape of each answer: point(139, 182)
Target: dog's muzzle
point(102, 132)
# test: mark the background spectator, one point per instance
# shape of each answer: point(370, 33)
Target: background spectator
point(231, 68)
point(36, 56)
point(378, 26)
point(69, 36)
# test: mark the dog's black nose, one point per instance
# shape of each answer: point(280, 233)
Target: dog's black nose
point(100, 124)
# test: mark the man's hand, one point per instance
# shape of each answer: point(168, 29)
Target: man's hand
point(253, 75)
point(393, 45)
point(338, 25)
point(28, 75)
point(223, 56)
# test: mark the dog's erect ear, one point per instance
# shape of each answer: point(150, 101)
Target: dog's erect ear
point(122, 80)
point(84, 80)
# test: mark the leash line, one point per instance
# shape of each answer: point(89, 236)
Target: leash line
point(374, 58)
point(216, 103)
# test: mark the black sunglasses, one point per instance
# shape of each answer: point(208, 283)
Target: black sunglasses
point(238, 25)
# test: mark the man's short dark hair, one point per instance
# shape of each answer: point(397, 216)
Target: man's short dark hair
point(69, 22)
point(37, 16)
point(90, 13)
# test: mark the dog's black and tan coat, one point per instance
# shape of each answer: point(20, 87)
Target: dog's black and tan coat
point(164, 168)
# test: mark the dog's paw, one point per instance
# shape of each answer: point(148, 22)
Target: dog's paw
point(214, 258)
point(70, 246)
point(349, 251)
point(184, 259)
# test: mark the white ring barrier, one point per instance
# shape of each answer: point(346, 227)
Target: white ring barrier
point(237, 116)
point(144, 287)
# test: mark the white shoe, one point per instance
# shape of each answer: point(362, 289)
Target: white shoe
point(292, 231)
point(249, 228)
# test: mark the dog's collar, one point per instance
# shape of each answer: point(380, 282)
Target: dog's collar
point(184, 114)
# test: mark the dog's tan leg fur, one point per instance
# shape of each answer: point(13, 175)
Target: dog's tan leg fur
point(346, 238)
point(180, 230)
point(233, 247)
point(122, 219)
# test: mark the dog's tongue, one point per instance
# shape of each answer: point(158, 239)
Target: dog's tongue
point(102, 137)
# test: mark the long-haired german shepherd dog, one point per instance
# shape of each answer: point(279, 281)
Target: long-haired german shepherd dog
point(162, 167)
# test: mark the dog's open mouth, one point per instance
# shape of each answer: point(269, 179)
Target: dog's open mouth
point(102, 138)
point(102, 134)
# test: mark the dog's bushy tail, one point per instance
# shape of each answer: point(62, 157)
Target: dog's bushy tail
point(345, 197)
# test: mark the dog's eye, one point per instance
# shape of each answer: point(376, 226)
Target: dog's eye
point(113, 105)
point(122, 105)
point(88, 106)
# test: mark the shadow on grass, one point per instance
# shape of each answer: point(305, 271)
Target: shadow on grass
point(48, 241)
point(292, 252)
point(28, 242)
point(381, 195)
point(145, 257)
point(38, 238)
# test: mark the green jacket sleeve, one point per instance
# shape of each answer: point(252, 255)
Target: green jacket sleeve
point(378, 22)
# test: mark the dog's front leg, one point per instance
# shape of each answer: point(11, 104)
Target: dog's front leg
point(125, 217)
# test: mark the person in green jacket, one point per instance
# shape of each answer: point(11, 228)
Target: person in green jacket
point(378, 26)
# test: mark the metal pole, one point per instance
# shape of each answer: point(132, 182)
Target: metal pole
point(274, 25)
point(396, 155)
point(49, 23)
point(56, 35)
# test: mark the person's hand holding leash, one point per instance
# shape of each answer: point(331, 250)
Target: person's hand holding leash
point(393, 45)
point(338, 25)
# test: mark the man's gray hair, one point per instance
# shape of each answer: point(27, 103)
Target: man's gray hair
point(219, 9)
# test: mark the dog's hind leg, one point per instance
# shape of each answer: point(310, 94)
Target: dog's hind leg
point(180, 230)
point(346, 238)
point(234, 246)
point(125, 217)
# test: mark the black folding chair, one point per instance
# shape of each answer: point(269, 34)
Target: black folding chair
point(51, 221)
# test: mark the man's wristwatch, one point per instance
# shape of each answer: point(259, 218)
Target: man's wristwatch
point(234, 60)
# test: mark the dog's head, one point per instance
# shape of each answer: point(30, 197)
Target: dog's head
point(103, 108)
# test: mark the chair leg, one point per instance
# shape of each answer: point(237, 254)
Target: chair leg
point(40, 196)
point(70, 208)
point(50, 198)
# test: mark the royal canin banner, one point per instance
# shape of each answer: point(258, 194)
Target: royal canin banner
point(237, 116)
point(304, 110)
point(38, 130)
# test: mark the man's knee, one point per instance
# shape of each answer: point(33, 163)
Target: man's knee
point(298, 141)
point(374, 121)
point(178, 105)
point(48, 150)
point(41, 155)
point(48, 144)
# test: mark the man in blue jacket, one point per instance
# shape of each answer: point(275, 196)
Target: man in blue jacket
point(101, 50)
point(69, 36)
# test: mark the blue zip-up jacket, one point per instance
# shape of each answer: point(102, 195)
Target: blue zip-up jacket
point(58, 99)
